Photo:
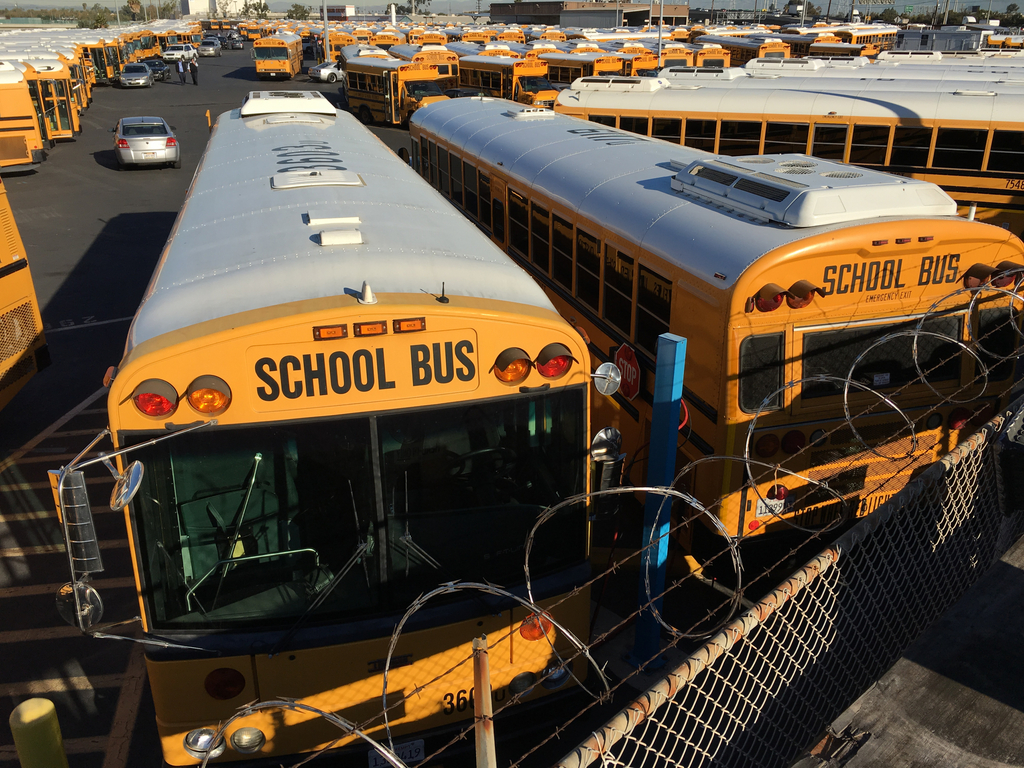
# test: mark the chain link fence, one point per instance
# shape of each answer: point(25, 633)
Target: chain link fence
point(761, 690)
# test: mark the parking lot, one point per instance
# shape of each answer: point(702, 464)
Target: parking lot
point(93, 235)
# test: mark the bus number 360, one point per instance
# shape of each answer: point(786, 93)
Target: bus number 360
point(457, 702)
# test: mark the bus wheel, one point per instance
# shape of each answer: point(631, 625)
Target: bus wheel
point(332, 78)
point(364, 116)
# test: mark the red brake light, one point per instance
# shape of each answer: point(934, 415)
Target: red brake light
point(155, 397)
point(172, 142)
point(793, 441)
point(554, 361)
point(959, 417)
point(224, 683)
point(778, 492)
point(769, 304)
point(766, 446)
point(122, 144)
point(535, 627)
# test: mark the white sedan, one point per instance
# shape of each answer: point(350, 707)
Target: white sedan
point(183, 52)
point(329, 72)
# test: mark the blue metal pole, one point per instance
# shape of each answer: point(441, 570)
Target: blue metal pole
point(661, 469)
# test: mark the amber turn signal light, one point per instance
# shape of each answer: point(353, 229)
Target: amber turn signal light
point(512, 365)
point(209, 394)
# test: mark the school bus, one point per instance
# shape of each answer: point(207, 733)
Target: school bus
point(711, 55)
point(388, 411)
point(433, 37)
point(743, 49)
point(390, 90)
point(360, 50)
point(339, 40)
point(567, 67)
point(23, 350)
point(447, 63)
point(964, 136)
point(769, 284)
point(830, 49)
point(522, 80)
point(479, 36)
point(515, 35)
point(51, 90)
point(106, 62)
point(386, 38)
point(278, 55)
point(860, 34)
point(800, 45)
point(23, 141)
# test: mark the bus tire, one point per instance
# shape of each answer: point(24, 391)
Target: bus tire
point(364, 116)
point(332, 78)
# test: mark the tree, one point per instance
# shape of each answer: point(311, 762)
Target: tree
point(1012, 8)
point(261, 9)
point(890, 16)
point(298, 12)
point(224, 8)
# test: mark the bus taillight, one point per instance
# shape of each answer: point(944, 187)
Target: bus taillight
point(769, 298)
point(535, 627)
point(224, 683)
point(801, 293)
point(767, 446)
point(793, 441)
point(554, 361)
point(959, 417)
point(1008, 273)
point(155, 397)
point(209, 394)
point(778, 492)
point(512, 365)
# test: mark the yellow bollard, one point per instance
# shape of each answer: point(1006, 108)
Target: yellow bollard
point(37, 736)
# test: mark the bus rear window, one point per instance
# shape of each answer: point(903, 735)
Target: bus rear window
point(761, 371)
point(887, 365)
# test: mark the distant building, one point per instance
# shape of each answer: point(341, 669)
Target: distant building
point(574, 13)
point(945, 39)
point(337, 12)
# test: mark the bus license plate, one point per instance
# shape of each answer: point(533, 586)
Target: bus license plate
point(411, 753)
point(148, 154)
point(770, 507)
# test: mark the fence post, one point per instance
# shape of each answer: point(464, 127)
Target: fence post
point(661, 469)
point(482, 705)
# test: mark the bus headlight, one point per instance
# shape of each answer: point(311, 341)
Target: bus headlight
point(248, 740)
point(199, 743)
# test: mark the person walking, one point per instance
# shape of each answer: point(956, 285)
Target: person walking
point(193, 68)
point(181, 71)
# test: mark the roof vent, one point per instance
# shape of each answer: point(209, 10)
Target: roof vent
point(303, 179)
point(340, 237)
point(530, 113)
point(288, 119)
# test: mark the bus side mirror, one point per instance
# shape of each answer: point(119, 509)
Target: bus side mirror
point(605, 452)
point(607, 378)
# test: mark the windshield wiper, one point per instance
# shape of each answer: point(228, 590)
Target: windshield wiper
point(240, 515)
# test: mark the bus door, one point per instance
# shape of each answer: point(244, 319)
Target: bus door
point(392, 99)
point(113, 62)
point(37, 104)
point(99, 63)
point(508, 80)
point(54, 99)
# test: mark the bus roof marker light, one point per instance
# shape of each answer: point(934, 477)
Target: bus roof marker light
point(367, 296)
point(155, 397)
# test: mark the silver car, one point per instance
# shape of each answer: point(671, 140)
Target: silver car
point(210, 47)
point(329, 71)
point(136, 76)
point(145, 141)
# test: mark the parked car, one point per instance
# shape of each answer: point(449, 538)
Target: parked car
point(159, 68)
point(329, 71)
point(136, 75)
point(145, 141)
point(176, 52)
point(235, 44)
point(209, 47)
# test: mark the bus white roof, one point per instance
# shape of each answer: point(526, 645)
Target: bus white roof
point(654, 193)
point(285, 102)
point(248, 235)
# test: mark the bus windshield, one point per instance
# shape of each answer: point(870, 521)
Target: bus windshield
point(419, 89)
point(249, 526)
point(265, 52)
point(534, 84)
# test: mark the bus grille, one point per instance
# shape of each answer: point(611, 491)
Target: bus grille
point(24, 367)
point(9, 232)
point(14, 148)
point(17, 331)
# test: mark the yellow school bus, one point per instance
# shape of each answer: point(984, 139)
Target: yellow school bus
point(386, 405)
point(52, 92)
point(784, 289)
point(23, 350)
point(447, 63)
point(22, 142)
point(278, 55)
point(569, 67)
point(743, 49)
point(390, 90)
point(522, 80)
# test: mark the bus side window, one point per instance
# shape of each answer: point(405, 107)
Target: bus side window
point(868, 144)
point(829, 142)
point(518, 223)
point(634, 124)
point(667, 128)
point(618, 288)
point(433, 164)
point(608, 120)
point(740, 137)
point(700, 134)
point(785, 138)
point(540, 238)
point(910, 146)
point(1007, 152)
point(653, 308)
point(761, 371)
point(470, 184)
point(424, 167)
point(956, 148)
point(561, 251)
point(483, 189)
point(442, 170)
point(415, 156)
point(456, 180)
point(498, 219)
point(588, 269)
